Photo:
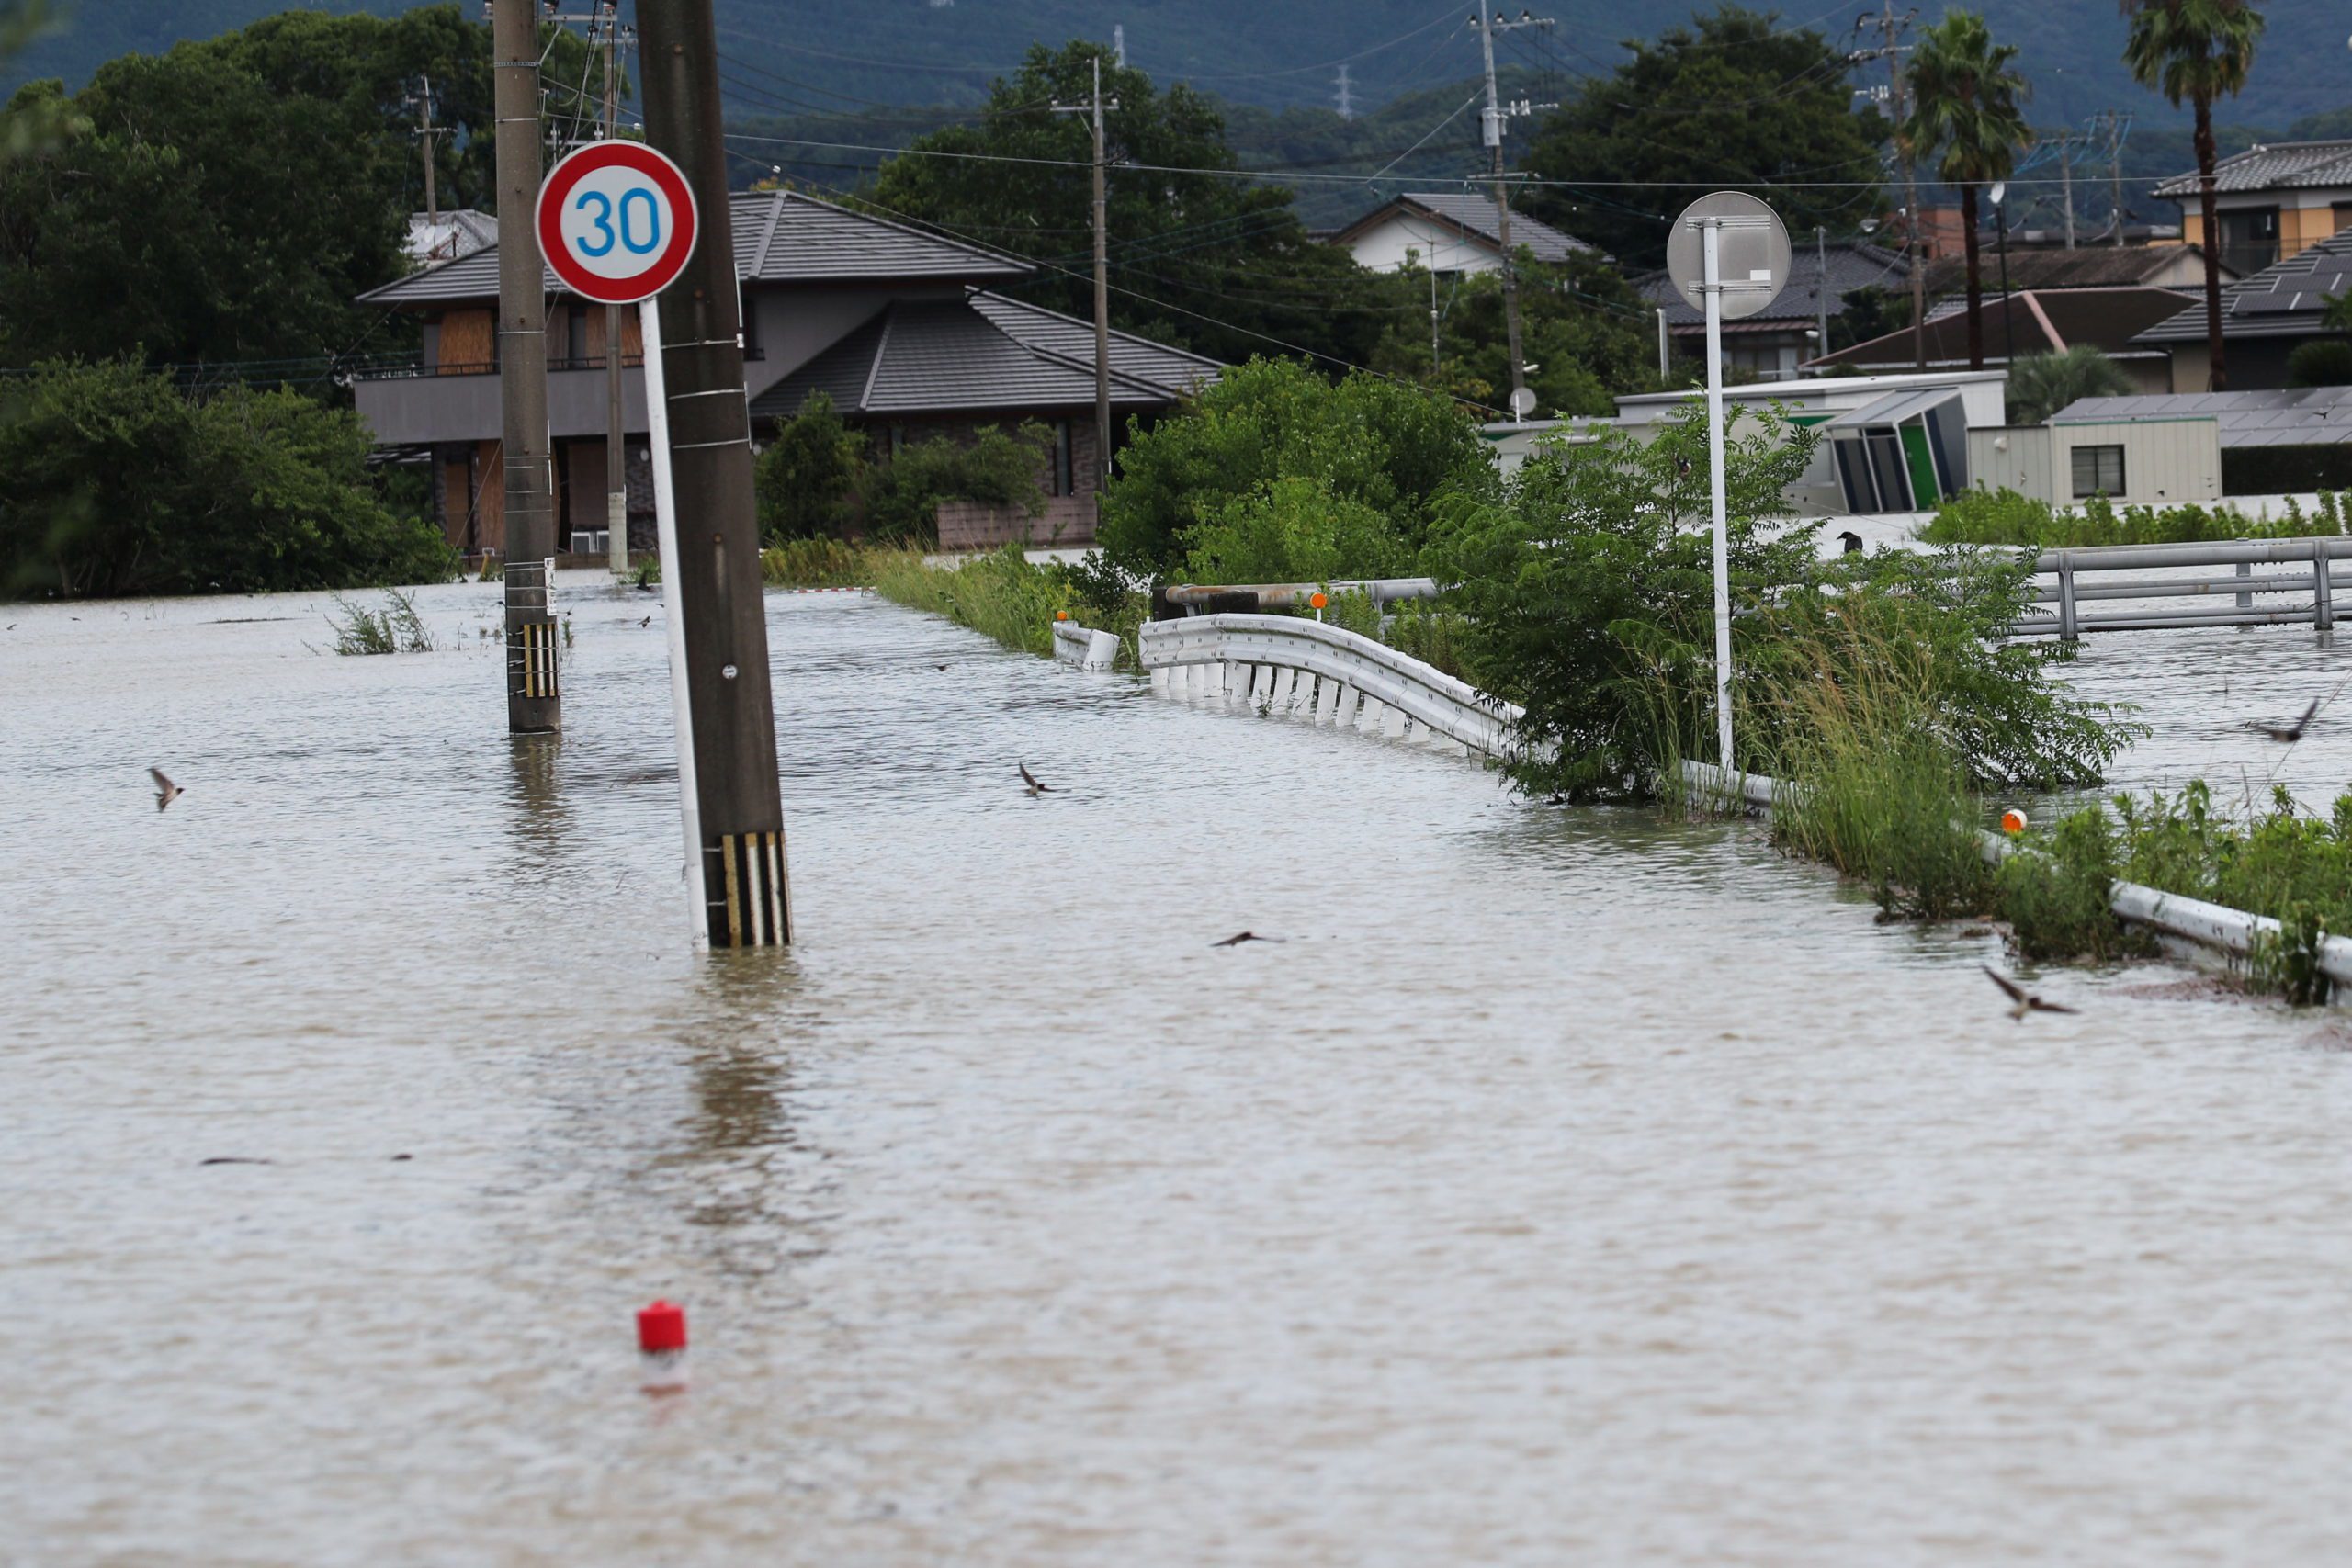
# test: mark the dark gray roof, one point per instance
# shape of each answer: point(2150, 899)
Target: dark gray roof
point(981, 353)
point(461, 231)
point(780, 237)
point(1473, 215)
point(2283, 166)
point(1852, 264)
point(2281, 300)
point(2310, 416)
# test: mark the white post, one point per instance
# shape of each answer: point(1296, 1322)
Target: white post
point(665, 524)
point(1711, 238)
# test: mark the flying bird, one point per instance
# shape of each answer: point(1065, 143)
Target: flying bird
point(2289, 733)
point(1237, 941)
point(235, 1159)
point(2024, 1001)
point(166, 791)
point(646, 621)
point(1030, 780)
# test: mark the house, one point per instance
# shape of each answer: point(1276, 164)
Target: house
point(2091, 449)
point(2034, 321)
point(1889, 443)
point(2266, 442)
point(814, 276)
point(1773, 343)
point(2272, 202)
point(448, 236)
point(1452, 235)
point(2266, 316)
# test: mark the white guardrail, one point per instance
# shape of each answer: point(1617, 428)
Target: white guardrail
point(1283, 664)
point(1074, 644)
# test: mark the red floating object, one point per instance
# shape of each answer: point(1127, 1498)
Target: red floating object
point(662, 1328)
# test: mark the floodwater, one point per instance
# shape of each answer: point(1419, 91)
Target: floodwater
point(1568, 1187)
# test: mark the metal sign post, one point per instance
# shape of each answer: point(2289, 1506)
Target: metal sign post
point(665, 524)
point(1728, 256)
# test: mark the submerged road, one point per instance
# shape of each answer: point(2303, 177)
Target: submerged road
point(1570, 1185)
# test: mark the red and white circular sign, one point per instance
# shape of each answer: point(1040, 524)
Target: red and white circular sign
point(616, 221)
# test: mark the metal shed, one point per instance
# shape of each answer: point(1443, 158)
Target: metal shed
point(1902, 453)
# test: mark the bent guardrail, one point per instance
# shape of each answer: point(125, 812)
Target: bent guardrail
point(1087, 649)
point(1283, 664)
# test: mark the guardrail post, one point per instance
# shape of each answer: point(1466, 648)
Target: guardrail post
point(2246, 600)
point(2067, 628)
point(2322, 599)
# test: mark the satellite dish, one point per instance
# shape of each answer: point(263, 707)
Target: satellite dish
point(1751, 257)
point(1523, 402)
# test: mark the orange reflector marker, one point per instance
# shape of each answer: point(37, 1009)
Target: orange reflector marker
point(1061, 615)
point(2012, 820)
point(1317, 599)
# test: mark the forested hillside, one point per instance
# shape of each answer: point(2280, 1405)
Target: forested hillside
point(847, 54)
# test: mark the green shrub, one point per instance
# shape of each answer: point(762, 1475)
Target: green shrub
point(2005, 517)
point(2326, 362)
point(807, 476)
point(1002, 594)
point(900, 495)
point(1394, 450)
point(395, 628)
point(117, 483)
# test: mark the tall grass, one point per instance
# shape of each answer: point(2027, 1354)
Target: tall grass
point(1001, 594)
point(816, 563)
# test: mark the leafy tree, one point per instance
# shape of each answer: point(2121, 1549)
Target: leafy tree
point(1733, 102)
point(1368, 441)
point(806, 476)
point(2197, 51)
point(1201, 259)
point(2041, 384)
point(1964, 94)
point(119, 483)
point(1292, 530)
point(37, 120)
point(1584, 332)
point(227, 201)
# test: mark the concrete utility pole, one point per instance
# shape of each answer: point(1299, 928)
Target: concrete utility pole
point(615, 430)
point(426, 132)
point(1820, 289)
point(1496, 115)
point(716, 568)
point(2115, 169)
point(534, 702)
point(1102, 283)
point(2066, 183)
point(1898, 100)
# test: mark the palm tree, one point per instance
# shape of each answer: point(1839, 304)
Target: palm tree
point(1964, 95)
point(2041, 384)
point(2196, 51)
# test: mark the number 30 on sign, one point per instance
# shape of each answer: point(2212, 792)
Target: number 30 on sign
point(616, 222)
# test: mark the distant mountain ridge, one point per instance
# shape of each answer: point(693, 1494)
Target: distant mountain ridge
point(841, 56)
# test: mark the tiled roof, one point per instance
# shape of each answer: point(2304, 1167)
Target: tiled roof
point(1852, 264)
point(457, 232)
point(980, 353)
point(2284, 166)
point(2045, 322)
point(2281, 300)
point(2090, 266)
point(2310, 416)
point(780, 237)
point(1478, 215)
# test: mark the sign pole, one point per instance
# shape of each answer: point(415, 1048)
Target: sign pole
point(665, 522)
point(716, 561)
point(1711, 242)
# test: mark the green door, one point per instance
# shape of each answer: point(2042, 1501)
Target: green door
point(1925, 491)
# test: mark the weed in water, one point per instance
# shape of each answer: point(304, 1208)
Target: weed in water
point(395, 628)
point(2056, 893)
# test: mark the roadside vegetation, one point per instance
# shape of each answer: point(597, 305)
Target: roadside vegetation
point(392, 627)
point(2005, 517)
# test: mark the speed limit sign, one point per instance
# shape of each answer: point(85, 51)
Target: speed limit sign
point(616, 222)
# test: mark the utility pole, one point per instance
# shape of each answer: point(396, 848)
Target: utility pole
point(426, 132)
point(2115, 170)
point(2066, 182)
point(615, 430)
point(534, 702)
point(1821, 289)
point(1435, 363)
point(698, 324)
point(1101, 287)
point(1522, 401)
point(1890, 27)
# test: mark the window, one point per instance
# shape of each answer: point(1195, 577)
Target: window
point(2250, 238)
point(2098, 471)
point(575, 334)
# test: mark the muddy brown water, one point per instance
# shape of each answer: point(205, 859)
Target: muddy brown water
point(1569, 1186)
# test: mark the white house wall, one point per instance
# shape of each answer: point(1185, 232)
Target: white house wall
point(1406, 240)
